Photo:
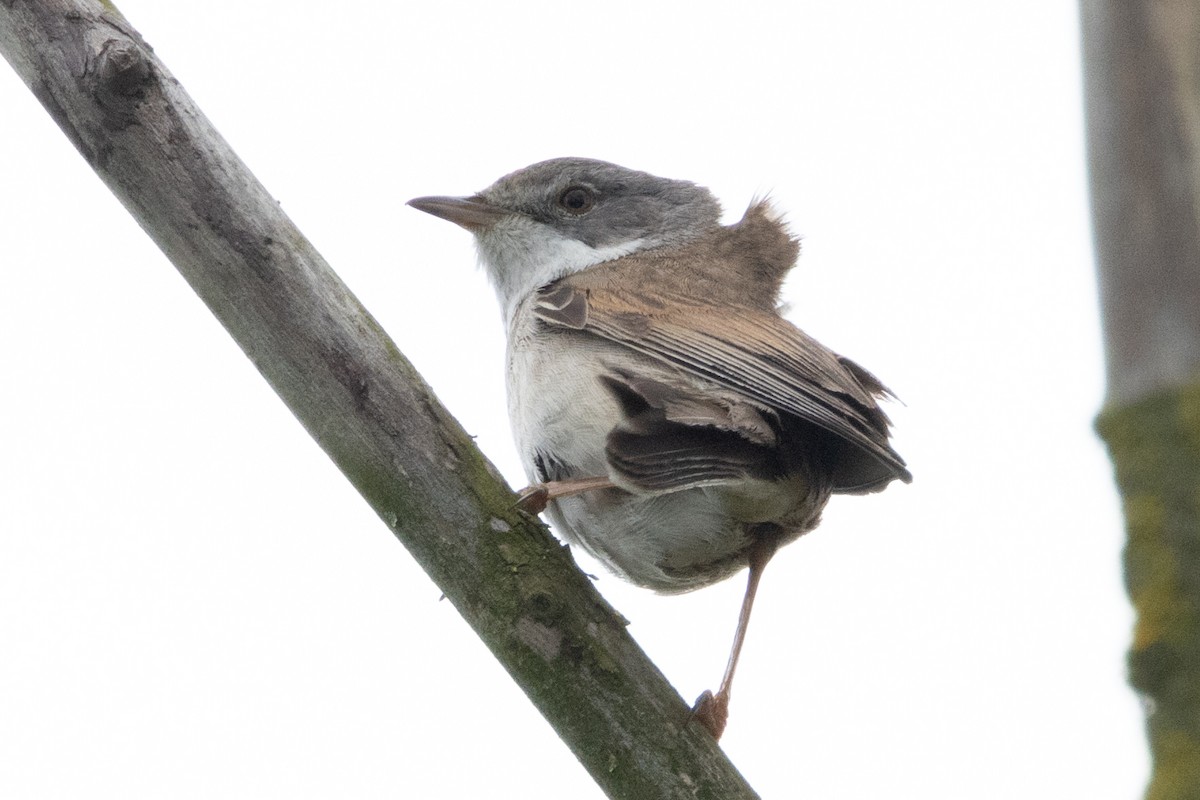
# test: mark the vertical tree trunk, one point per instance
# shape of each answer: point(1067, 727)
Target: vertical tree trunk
point(1142, 72)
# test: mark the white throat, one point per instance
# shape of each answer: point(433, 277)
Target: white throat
point(521, 255)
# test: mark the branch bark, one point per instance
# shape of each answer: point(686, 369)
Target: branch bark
point(1142, 72)
point(350, 387)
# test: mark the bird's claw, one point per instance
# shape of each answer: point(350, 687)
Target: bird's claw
point(533, 499)
point(712, 711)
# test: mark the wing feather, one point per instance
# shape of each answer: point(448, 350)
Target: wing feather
point(753, 352)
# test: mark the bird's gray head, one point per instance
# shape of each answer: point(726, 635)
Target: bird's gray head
point(556, 217)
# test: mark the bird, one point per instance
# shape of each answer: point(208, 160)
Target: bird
point(670, 420)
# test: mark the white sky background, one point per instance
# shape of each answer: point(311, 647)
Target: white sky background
point(195, 603)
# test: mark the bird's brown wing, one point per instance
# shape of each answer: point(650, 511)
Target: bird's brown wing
point(756, 354)
point(674, 434)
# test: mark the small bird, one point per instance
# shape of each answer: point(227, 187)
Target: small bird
point(669, 420)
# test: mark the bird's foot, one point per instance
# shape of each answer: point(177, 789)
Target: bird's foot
point(533, 499)
point(712, 711)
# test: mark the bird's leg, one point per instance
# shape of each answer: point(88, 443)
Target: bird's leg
point(712, 711)
point(533, 499)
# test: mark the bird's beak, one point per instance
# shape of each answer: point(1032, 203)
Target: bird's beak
point(473, 213)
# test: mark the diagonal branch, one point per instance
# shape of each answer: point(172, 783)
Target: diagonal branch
point(361, 400)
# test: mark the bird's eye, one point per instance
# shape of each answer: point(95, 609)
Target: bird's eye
point(577, 199)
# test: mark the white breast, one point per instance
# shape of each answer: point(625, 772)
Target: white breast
point(555, 402)
point(669, 542)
